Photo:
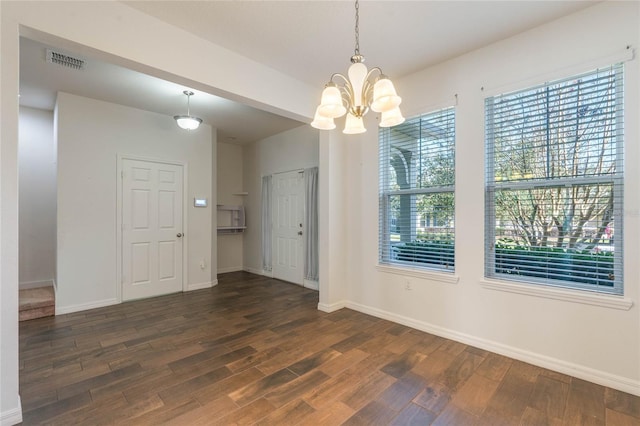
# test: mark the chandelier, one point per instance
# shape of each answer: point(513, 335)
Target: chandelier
point(187, 122)
point(356, 94)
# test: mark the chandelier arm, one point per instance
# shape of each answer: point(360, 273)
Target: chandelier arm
point(368, 84)
point(337, 74)
point(346, 89)
point(367, 93)
point(347, 94)
point(367, 87)
point(345, 97)
point(370, 73)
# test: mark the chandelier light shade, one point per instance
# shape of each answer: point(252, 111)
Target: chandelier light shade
point(188, 122)
point(322, 123)
point(353, 125)
point(391, 118)
point(355, 94)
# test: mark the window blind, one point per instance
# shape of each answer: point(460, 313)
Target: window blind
point(417, 182)
point(554, 183)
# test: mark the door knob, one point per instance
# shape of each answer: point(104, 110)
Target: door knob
point(179, 235)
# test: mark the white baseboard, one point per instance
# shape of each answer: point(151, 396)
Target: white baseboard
point(313, 285)
point(328, 308)
point(230, 269)
point(258, 271)
point(13, 416)
point(199, 286)
point(61, 310)
point(582, 372)
point(36, 284)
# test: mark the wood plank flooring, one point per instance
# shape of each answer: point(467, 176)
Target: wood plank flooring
point(255, 350)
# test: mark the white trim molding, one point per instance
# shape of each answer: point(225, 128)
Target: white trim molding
point(328, 308)
point(256, 271)
point(442, 277)
point(200, 286)
point(12, 416)
point(575, 296)
point(61, 310)
point(252, 270)
point(36, 284)
point(312, 285)
point(582, 372)
point(230, 269)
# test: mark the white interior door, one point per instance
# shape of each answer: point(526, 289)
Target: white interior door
point(287, 225)
point(152, 231)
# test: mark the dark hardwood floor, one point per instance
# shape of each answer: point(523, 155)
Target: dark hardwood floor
point(255, 350)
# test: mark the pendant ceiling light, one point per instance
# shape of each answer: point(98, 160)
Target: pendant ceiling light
point(187, 122)
point(356, 94)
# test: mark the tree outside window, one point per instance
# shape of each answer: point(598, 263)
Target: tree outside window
point(554, 183)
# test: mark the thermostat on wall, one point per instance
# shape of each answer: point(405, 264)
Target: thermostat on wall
point(200, 202)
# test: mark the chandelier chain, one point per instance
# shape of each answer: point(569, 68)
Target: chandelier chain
point(357, 50)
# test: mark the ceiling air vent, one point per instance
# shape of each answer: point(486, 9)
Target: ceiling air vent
point(64, 60)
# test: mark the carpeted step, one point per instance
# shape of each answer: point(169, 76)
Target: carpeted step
point(37, 303)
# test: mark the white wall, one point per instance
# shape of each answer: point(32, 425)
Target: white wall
point(291, 150)
point(597, 343)
point(37, 193)
point(91, 134)
point(229, 173)
point(10, 407)
point(333, 207)
point(115, 32)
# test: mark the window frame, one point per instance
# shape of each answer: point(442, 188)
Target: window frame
point(385, 261)
point(616, 180)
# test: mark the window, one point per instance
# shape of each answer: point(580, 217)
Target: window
point(417, 177)
point(554, 183)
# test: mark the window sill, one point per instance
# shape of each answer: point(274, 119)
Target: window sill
point(419, 273)
point(575, 296)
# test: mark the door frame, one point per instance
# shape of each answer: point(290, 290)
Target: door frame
point(185, 239)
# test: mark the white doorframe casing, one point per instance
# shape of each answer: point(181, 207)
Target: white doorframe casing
point(185, 246)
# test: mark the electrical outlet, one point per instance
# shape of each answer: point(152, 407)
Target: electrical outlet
point(203, 264)
point(407, 285)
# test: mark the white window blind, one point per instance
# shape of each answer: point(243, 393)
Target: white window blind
point(554, 183)
point(417, 182)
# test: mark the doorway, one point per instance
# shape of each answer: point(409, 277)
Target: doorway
point(288, 225)
point(152, 234)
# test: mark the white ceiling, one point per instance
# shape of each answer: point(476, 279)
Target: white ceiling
point(41, 80)
point(308, 40)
